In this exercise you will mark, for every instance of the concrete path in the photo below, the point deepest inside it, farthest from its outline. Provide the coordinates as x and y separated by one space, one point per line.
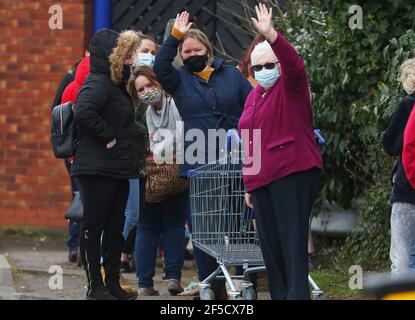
32 260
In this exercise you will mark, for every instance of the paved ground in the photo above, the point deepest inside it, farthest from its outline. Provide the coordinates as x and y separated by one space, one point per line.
31 259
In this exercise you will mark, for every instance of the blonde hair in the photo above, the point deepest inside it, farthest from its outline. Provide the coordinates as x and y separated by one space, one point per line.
407 75
127 43
201 37
261 49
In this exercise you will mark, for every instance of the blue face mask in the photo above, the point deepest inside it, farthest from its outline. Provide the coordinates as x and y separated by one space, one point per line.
145 59
267 78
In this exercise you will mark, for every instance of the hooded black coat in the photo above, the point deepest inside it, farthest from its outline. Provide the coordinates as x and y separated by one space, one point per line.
104 111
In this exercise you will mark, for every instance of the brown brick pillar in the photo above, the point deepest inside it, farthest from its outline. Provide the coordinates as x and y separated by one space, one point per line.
34 186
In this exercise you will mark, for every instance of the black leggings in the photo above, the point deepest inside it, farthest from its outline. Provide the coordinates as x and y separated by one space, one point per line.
104 201
129 243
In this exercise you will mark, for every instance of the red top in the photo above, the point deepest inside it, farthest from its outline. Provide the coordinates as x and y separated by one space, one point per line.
284 116
408 153
82 71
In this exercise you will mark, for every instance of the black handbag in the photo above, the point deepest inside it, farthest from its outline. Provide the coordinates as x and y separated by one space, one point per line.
75 212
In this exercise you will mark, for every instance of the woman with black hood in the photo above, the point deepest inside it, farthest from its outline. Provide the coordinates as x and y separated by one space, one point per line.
106 159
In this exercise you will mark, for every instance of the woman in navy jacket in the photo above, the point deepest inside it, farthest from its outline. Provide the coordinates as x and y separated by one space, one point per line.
208 95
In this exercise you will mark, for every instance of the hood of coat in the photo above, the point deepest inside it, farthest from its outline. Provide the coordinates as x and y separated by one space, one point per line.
102 44
127 43
82 71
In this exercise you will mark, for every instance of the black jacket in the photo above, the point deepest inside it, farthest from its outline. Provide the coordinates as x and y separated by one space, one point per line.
392 142
104 111
143 146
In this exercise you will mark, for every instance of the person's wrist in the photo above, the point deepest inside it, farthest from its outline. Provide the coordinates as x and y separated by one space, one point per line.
271 36
178 34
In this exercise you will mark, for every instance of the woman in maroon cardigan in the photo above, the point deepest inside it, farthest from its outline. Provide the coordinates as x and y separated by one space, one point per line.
283 189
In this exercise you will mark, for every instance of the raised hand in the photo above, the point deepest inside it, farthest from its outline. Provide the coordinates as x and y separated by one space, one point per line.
182 22
263 22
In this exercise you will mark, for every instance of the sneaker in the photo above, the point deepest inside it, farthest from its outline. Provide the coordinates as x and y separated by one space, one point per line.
100 293
174 287
121 294
125 267
73 256
146 292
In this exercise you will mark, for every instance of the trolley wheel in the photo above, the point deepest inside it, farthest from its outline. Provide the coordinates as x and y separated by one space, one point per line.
207 294
249 294
319 296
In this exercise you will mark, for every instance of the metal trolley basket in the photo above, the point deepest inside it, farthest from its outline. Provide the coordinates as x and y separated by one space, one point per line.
222 223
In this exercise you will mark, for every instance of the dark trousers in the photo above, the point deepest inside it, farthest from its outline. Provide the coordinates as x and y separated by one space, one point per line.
129 244
282 211
104 201
161 225
73 227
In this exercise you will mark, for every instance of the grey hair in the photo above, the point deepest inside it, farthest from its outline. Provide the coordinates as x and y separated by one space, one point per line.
261 49
407 75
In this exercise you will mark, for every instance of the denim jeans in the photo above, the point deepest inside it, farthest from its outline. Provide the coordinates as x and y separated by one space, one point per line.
412 258
402 237
73 242
132 209
161 225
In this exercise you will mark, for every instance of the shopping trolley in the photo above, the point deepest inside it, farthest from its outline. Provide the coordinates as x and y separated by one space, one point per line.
222 223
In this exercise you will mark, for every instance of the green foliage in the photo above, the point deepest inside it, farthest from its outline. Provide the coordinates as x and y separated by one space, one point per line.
353 76
368 244
336 285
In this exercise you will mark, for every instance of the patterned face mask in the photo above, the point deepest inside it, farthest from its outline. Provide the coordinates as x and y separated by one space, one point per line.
150 96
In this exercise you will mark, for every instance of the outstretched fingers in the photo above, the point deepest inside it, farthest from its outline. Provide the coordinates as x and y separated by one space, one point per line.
258 12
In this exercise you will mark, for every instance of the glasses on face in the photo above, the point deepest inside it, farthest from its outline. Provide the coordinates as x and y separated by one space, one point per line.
268 66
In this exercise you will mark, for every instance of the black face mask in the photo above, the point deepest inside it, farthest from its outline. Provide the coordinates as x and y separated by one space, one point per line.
126 73
196 63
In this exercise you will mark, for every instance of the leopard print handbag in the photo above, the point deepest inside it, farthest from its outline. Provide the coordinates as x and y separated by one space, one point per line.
163 181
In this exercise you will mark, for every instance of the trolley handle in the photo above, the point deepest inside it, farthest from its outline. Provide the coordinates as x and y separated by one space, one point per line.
319 137
232 134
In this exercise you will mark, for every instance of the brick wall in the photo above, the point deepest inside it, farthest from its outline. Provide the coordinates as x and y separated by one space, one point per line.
34 186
